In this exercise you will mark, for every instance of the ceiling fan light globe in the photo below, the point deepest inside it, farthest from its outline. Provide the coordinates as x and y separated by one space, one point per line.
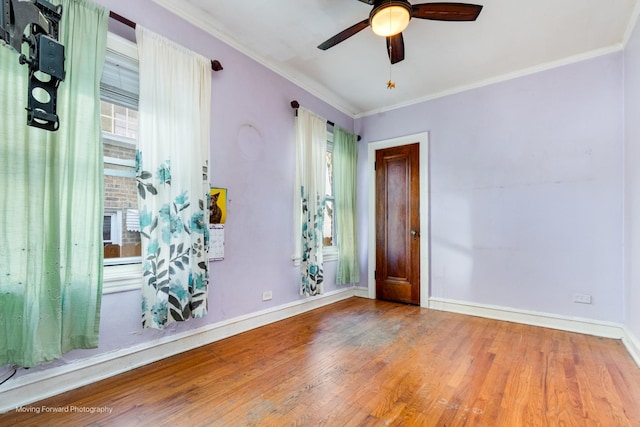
390 20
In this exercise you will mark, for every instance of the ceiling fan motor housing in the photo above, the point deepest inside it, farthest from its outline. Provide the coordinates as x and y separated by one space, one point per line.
388 18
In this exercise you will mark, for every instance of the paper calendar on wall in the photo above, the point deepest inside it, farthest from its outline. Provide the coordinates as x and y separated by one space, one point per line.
216 242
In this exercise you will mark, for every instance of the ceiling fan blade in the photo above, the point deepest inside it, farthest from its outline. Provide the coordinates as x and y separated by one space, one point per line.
446 11
395 48
343 35
367 1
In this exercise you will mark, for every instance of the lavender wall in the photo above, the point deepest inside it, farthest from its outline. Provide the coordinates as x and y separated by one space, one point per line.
632 183
252 146
526 197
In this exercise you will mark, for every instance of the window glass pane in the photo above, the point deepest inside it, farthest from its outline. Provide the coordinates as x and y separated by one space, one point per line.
105 109
119 120
107 125
106 228
328 224
119 112
132 128
329 181
120 195
120 127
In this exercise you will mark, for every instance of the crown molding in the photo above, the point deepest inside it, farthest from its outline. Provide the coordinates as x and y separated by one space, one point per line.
633 22
195 17
499 79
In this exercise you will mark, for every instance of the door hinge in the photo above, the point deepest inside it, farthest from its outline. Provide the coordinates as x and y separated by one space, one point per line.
375 166
375 275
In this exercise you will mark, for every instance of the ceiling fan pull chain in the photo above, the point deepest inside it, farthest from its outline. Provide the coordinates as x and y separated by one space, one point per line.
390 84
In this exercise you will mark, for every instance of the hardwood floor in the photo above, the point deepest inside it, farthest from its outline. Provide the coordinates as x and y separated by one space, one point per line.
368 363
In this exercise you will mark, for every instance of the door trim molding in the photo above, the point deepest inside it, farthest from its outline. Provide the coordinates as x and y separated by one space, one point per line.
423 140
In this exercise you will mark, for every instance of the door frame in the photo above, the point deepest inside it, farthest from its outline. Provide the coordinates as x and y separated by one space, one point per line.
425 233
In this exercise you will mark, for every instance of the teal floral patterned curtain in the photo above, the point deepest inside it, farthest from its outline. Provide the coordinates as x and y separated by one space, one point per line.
51 202
173 179
345 165
309 194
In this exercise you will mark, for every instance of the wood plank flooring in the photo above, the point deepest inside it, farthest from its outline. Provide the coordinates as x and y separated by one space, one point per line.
361 362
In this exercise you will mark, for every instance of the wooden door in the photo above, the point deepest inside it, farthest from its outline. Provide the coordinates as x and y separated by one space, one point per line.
398 224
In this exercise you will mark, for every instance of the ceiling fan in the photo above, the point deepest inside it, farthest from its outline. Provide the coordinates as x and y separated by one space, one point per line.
389 18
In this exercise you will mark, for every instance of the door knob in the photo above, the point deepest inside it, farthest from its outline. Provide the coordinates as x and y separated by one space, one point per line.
414 234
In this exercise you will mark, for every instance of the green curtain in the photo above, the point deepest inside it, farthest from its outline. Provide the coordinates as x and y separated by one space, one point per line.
345 161
51 196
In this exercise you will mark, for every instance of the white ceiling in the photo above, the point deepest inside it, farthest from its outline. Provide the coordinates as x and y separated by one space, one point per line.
509 38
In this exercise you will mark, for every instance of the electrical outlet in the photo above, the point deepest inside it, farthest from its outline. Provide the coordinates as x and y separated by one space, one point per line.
267 295
582 298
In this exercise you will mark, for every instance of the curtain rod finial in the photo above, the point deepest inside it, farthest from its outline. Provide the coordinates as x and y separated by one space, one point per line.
216 65
295 104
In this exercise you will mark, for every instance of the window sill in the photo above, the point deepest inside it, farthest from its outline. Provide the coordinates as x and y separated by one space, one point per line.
119 140
329 253
121 278
122 261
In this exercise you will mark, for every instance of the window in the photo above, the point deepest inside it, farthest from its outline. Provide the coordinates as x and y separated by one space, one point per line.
119 119
111 228
330 250
119 126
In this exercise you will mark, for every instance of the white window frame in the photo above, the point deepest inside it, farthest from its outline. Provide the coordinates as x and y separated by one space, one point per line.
127 275
330 253
115 217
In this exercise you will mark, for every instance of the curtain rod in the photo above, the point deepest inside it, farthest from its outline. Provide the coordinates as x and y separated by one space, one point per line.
295 105
215 64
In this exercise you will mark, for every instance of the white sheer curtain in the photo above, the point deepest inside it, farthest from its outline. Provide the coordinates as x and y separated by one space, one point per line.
308 199
173 179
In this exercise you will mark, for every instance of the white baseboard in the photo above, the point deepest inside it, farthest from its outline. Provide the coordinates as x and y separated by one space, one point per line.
40 385
565 323
633 345
361 291
547 320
